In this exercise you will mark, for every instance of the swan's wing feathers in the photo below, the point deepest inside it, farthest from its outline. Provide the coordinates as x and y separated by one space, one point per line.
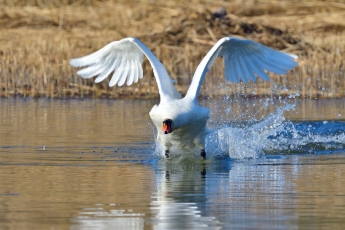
256 58
109 67
249 74
93 58
243 61
282 60
122 57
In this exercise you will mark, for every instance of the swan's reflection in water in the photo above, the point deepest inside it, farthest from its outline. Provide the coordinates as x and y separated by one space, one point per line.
167 215
180 193
177 202
100 218
171 215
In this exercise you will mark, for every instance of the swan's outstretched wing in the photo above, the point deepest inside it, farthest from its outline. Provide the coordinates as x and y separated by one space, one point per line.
124 58
243 59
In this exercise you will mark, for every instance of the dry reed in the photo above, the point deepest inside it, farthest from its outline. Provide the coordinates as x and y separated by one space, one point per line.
39 37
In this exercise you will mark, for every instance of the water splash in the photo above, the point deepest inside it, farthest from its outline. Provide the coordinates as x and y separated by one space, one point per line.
251 140
274 135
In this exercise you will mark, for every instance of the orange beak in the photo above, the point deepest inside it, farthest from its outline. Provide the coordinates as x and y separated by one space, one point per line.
166 128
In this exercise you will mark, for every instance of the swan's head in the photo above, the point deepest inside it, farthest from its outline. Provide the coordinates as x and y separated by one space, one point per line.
167 126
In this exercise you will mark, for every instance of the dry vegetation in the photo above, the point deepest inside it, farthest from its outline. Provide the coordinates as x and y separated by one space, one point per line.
39 37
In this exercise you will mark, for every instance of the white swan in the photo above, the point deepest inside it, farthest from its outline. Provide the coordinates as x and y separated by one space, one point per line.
181 122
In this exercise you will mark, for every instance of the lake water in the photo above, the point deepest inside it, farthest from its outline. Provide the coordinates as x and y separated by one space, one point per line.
94 164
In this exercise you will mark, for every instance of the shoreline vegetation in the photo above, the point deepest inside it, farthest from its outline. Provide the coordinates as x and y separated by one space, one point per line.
39 37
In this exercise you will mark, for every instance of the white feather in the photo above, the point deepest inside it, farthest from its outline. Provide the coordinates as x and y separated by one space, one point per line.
107 71
118 73
135 71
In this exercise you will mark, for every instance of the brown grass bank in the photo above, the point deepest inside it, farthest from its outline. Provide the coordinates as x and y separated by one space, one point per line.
37 39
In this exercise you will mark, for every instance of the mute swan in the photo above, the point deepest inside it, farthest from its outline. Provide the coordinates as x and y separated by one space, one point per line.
181 122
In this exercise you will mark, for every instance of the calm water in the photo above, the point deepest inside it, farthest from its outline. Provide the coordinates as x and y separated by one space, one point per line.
94 164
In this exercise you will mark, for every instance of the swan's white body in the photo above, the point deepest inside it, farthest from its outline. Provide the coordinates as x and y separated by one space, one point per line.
242 60
189 123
